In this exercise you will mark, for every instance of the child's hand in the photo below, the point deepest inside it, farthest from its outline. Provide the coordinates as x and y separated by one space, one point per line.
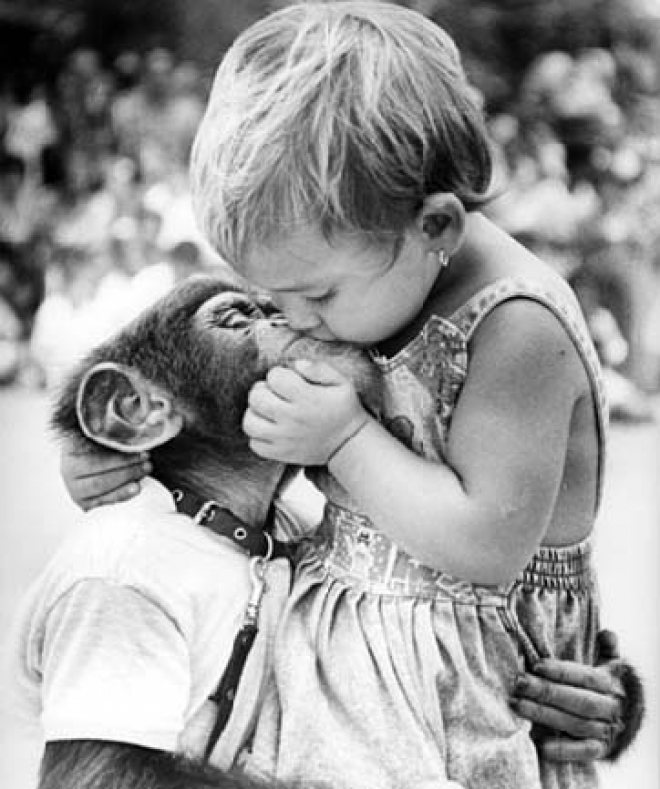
99 476
303 416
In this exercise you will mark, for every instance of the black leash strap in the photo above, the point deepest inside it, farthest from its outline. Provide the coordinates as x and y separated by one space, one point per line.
261 547
225 693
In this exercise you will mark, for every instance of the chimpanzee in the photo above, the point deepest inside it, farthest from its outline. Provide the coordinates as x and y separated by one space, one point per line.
131 627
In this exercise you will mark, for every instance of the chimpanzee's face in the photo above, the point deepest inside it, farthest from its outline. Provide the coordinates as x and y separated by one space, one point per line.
242 318
202 346
239 323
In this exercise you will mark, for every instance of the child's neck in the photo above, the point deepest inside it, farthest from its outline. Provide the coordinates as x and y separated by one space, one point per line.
452 288
486 255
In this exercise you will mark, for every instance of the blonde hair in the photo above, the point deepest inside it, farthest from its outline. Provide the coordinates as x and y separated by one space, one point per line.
344 115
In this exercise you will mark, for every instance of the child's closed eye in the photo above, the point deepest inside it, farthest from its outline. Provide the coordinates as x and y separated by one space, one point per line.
322 298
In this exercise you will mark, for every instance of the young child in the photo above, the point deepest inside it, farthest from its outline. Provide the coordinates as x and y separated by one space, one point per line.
342 166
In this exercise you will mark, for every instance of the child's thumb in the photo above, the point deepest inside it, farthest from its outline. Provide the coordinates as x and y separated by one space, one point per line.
317 372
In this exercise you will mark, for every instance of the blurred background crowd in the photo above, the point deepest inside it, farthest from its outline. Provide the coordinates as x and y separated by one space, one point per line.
99 102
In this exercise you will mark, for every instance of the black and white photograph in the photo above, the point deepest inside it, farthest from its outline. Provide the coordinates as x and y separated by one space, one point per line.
330 394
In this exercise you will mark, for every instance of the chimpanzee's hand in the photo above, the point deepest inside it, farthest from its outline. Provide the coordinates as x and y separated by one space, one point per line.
94 475
302 416
583 713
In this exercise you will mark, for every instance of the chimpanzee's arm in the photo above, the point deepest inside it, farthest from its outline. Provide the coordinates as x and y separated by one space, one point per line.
97 764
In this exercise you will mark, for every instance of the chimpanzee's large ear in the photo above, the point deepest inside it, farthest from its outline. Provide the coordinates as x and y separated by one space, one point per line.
118 408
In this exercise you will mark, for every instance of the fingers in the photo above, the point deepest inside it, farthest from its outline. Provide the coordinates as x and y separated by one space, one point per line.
105 478
285 383
122 493
117 473
269 402
319 372
266 404
79 463
565 749
284 386
607 647
578 675
261 421
578 701
562 721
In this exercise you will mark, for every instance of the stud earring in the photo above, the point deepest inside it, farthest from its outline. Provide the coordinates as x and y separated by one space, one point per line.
443 258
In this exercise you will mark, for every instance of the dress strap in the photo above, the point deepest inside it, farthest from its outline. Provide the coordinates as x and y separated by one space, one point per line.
561 301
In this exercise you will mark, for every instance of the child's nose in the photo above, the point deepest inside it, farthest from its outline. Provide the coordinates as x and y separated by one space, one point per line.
299 315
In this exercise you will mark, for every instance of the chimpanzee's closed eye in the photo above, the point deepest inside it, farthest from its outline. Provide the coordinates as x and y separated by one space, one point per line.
230 310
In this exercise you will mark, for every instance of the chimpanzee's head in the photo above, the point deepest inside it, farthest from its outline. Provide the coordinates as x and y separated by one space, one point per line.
175 380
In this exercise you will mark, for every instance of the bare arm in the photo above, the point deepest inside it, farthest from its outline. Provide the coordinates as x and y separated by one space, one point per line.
481 515
97 764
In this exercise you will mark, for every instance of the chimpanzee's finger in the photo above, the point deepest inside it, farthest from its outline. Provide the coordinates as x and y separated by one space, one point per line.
575 700
607 647
130 470
564 722
122 493
579 675
88 487
566 749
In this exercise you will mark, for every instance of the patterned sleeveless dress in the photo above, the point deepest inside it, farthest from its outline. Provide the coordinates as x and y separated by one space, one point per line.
387 674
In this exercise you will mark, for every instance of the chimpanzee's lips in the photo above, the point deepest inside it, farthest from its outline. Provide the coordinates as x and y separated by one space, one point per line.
282 344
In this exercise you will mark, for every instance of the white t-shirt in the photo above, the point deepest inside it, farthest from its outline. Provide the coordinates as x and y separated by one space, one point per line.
127 632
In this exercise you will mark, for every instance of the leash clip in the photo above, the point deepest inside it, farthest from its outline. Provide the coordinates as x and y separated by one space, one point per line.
257 577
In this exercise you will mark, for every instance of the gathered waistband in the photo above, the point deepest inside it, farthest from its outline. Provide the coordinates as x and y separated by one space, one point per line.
565 567
363 557
358 554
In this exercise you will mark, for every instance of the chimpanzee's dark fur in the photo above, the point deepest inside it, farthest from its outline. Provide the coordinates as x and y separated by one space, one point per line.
166 346
634 710
96 764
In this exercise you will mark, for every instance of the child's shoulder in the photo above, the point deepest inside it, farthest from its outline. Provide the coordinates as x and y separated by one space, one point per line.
536 291
526 342
500 275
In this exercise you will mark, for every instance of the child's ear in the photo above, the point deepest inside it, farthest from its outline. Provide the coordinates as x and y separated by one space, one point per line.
120 409
442 222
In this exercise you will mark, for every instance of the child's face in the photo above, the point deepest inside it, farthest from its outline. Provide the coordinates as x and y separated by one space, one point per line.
344 289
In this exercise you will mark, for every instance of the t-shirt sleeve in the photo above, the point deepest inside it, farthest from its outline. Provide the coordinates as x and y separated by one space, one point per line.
114 666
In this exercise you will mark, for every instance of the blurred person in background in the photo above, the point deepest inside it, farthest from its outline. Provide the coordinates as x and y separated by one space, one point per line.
154 122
